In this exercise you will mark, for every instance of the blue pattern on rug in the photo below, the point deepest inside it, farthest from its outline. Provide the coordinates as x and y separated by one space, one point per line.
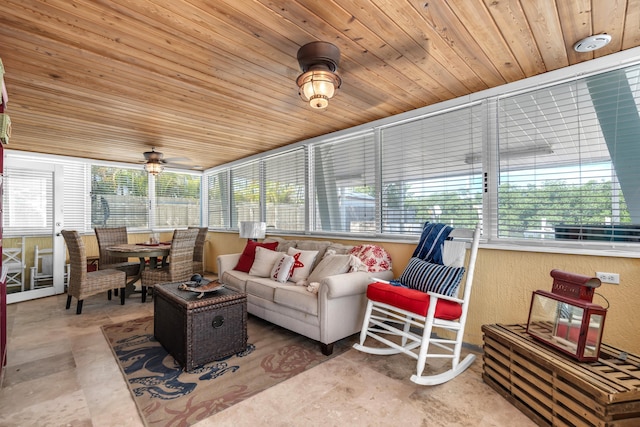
144 353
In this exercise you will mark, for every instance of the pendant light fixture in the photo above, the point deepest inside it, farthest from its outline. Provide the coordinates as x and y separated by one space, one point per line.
318 82
153 167
153 162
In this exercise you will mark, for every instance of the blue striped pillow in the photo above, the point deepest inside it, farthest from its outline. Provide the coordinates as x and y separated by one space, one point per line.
428 277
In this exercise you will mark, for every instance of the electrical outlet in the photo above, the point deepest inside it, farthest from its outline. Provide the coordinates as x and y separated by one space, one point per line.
613 278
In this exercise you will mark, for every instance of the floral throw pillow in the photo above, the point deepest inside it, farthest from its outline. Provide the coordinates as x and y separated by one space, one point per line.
374 257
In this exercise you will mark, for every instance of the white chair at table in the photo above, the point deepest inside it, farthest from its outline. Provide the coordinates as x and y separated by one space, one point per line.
42 270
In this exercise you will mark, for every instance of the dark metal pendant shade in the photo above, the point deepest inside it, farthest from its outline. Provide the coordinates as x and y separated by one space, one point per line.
322 54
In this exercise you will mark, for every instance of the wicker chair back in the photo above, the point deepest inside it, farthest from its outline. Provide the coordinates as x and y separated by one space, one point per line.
82 283
111 236
180 267
198 250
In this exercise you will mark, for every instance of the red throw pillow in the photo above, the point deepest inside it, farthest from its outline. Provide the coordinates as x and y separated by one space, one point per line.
248 255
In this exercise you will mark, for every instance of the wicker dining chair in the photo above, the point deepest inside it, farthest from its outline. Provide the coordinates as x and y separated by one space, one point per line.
111 236
83 283
180 266
198 250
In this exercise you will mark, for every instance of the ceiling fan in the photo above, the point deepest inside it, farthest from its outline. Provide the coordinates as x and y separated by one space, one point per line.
154 162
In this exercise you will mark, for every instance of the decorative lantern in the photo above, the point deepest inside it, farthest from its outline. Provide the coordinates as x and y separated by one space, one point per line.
566 319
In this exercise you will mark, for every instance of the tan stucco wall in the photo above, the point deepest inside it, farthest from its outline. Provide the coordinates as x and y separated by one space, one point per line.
505 280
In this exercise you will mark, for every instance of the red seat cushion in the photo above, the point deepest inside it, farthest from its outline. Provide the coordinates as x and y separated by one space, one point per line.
412 300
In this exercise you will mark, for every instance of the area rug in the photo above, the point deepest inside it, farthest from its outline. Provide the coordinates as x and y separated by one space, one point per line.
168 396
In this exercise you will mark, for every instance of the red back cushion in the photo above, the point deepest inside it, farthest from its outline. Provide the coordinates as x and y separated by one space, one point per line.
248 255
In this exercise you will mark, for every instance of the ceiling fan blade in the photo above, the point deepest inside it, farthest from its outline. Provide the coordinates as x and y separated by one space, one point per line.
177 159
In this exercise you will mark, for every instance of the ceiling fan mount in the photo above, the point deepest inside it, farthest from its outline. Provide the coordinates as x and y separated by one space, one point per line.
154 156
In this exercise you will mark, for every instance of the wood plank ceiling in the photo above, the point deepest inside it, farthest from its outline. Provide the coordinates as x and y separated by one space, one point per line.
214 81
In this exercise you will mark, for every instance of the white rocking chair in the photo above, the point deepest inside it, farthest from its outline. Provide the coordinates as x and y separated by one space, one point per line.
397 312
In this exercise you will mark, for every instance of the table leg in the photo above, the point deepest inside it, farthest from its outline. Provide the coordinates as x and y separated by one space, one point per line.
131 287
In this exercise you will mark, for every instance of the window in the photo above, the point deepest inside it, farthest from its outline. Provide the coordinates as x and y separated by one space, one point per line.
246 193
218 197
432 171
28 202
345 185
285 186
568 160
119 197
177 200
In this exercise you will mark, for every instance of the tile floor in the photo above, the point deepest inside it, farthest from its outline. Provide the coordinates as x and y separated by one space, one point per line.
61 372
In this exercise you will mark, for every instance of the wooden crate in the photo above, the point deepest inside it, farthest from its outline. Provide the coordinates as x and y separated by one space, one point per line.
553 389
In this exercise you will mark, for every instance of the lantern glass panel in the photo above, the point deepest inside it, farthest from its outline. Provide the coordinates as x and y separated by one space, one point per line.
568 327
592 348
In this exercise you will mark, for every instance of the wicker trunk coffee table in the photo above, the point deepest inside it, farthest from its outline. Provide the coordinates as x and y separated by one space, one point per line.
196 330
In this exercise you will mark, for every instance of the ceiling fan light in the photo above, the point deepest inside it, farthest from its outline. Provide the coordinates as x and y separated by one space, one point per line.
153 167
319 102
318 82
317 87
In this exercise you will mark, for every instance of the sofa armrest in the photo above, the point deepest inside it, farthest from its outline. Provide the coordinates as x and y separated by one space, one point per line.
341 285
227 262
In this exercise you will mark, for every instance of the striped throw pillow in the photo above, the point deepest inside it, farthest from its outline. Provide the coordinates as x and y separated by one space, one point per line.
428 277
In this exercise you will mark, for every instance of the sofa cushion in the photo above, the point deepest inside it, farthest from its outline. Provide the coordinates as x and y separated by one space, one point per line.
330 265
282 268
283 244
249 253
262 287
314 245
264 262
375 257
298 298
337 249
236 280
302 264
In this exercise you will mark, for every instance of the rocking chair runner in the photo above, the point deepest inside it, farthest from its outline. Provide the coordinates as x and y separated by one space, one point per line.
392 311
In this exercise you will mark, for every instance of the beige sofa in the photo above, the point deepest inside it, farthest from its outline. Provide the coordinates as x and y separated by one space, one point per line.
334 312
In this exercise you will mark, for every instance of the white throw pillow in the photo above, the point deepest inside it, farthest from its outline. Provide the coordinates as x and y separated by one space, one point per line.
330 265
303 262
263 262
282 268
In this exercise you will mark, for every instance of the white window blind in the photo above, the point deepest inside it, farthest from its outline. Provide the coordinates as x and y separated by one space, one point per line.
245 193
28 202
568 160
77 209
218 197
177 201
284 188
119 197
432 171
345 185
